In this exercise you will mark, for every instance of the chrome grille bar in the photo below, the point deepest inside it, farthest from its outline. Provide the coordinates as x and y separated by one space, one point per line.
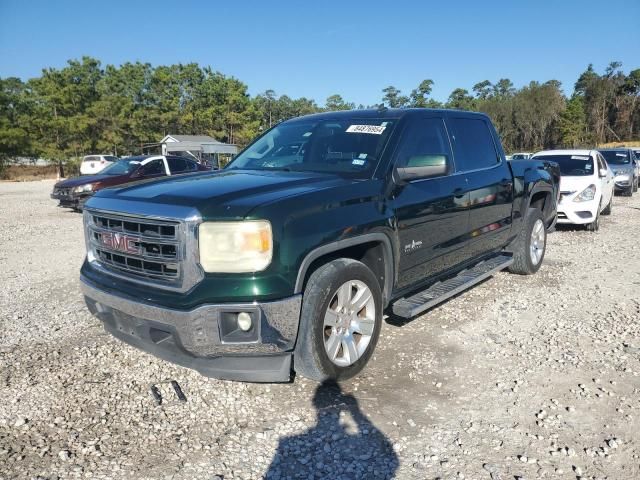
137 248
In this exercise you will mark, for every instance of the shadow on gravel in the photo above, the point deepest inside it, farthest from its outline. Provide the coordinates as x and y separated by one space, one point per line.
342 444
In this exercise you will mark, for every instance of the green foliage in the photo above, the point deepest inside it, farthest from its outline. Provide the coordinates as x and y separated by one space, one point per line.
84 108
573 124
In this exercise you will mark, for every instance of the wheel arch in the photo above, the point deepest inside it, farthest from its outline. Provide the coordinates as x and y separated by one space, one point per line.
541 198
372 249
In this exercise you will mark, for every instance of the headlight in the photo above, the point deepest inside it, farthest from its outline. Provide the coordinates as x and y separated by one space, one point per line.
624 176
84 188
587 194
235 247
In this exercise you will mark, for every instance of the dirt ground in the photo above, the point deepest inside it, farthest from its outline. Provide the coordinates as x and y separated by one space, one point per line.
520 377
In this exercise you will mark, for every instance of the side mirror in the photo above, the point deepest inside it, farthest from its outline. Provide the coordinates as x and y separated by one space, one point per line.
423 166
603 172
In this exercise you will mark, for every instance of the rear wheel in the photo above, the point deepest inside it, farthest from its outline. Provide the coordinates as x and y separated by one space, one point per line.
340 321
530 246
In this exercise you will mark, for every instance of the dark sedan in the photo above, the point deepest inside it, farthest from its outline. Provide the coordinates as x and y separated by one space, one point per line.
74 192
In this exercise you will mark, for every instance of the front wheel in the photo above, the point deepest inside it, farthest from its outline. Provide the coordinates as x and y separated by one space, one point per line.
635 184
340 321
609 207
595 225
530 246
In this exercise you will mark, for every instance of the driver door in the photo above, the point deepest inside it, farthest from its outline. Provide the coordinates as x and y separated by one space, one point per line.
432 214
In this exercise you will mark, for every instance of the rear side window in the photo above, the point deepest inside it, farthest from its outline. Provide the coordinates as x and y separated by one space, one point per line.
91 158
154 167
473 145
176 164
424 143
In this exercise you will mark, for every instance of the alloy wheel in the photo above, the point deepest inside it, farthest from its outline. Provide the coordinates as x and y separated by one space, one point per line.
349 322
537 243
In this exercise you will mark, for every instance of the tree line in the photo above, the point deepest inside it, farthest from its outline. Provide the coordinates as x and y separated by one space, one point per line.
84 108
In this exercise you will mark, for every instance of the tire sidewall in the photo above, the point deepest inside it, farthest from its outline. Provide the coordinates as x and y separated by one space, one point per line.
533 215
315 305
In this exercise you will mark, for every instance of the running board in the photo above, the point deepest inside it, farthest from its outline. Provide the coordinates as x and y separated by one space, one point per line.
438 292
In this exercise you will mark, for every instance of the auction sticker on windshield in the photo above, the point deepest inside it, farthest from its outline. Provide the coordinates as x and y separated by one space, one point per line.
371 129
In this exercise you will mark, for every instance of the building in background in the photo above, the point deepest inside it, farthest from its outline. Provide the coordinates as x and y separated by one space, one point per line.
203 148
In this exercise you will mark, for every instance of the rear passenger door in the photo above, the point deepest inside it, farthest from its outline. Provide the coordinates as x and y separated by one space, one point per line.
431 213
489 183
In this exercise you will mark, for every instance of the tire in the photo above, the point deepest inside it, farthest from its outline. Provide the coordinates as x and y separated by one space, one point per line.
595 225
321 304
635 184
629 191
523 262
608 208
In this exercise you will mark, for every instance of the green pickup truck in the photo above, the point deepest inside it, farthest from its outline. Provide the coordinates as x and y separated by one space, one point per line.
286 260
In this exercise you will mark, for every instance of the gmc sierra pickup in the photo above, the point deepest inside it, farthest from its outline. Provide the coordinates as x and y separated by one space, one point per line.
286 259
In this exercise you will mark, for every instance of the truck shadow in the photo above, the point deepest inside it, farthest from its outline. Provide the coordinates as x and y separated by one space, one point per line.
343 443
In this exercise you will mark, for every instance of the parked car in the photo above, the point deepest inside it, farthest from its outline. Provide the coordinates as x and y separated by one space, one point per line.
586 186
92 164
287 257
521 156
625 169
74 192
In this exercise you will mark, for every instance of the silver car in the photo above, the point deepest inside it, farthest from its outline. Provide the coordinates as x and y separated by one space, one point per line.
624 164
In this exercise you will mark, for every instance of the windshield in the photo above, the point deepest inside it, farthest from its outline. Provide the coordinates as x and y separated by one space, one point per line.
614 157
121 167
351 147
571 165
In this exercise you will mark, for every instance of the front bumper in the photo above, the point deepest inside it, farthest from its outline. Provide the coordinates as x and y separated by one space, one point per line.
580 213
625 184
71 201
200 338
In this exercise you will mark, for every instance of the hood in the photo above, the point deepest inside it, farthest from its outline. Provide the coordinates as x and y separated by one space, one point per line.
83 180
221 194
622 169
576 184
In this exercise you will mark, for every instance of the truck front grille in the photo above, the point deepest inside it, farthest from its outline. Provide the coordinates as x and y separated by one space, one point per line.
146 250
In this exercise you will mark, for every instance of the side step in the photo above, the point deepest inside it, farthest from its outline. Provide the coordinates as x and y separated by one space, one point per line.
440 291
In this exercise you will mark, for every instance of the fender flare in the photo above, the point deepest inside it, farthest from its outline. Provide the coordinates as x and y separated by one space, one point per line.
375 237
547 189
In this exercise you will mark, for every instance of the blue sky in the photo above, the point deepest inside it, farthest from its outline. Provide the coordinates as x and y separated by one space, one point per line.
317 48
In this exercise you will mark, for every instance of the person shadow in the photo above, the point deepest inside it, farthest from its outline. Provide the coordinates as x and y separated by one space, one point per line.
343 444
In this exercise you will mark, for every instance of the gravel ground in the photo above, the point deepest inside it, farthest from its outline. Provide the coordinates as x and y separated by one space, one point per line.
521 377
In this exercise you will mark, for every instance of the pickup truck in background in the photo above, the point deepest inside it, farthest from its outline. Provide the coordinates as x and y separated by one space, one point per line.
285 260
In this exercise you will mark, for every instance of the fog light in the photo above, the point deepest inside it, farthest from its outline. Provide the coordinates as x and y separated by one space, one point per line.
244 321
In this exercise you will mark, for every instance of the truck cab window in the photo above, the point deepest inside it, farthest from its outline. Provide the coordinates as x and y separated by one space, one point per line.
473 144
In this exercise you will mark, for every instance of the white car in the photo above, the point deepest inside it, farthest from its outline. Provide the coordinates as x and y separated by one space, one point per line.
586 186
521 156
92 164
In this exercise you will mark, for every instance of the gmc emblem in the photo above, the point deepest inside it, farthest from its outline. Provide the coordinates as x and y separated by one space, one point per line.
120 242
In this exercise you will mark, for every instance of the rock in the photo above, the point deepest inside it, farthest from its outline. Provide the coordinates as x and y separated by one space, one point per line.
64 454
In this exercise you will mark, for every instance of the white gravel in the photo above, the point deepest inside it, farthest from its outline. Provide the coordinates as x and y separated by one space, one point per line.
521 377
